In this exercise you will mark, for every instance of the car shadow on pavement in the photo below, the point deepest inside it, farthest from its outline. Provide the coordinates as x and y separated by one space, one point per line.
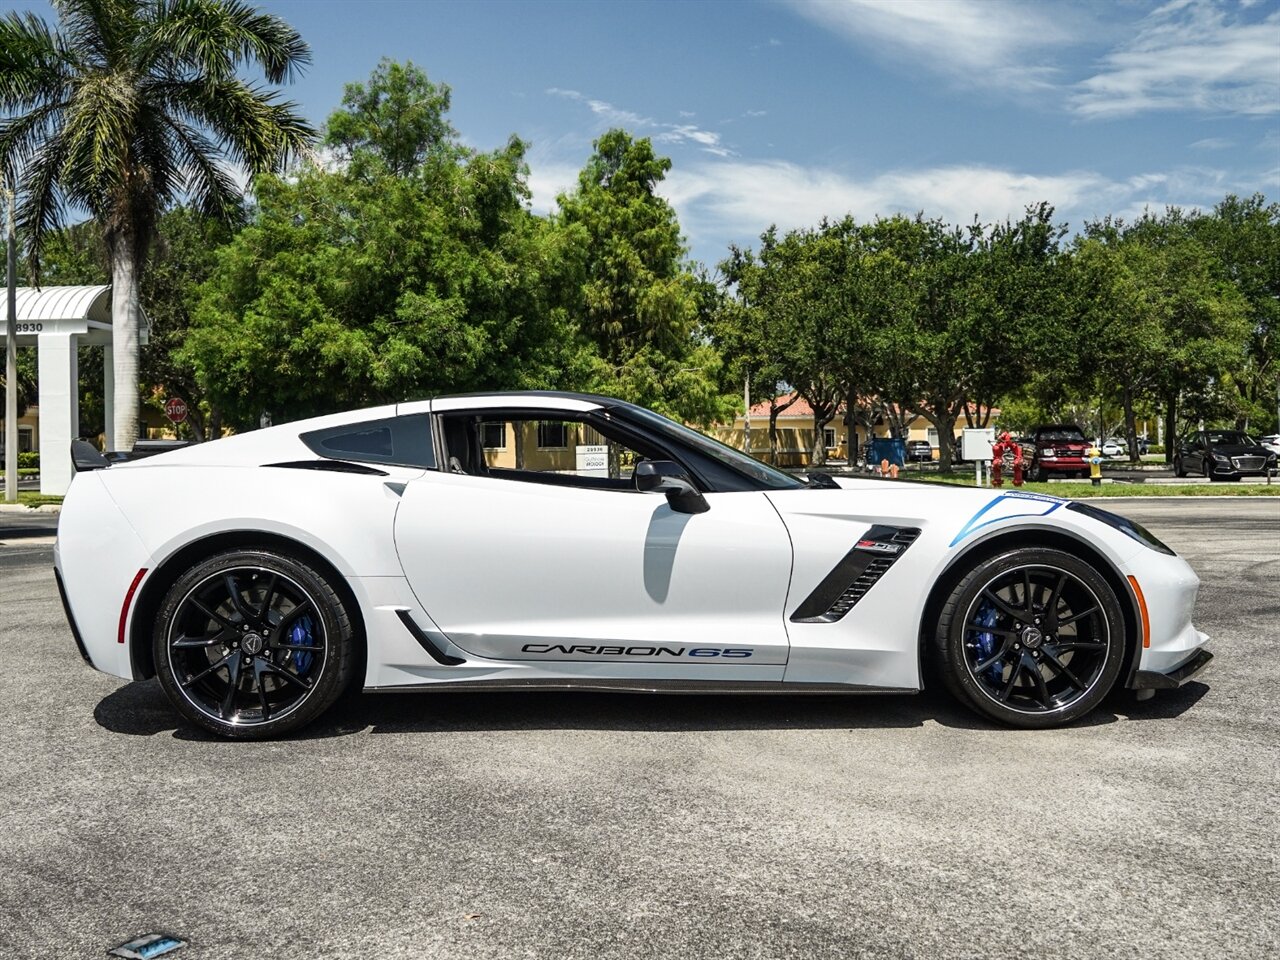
141 709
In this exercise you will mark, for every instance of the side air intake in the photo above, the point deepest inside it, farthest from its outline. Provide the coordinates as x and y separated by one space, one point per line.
857 572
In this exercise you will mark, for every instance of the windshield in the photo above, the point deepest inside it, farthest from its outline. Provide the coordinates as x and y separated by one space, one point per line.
734 459
1061 435
1230 437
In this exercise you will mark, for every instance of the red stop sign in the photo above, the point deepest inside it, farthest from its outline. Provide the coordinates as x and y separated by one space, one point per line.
175 408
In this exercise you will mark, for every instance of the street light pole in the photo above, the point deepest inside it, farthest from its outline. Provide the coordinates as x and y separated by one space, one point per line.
11 369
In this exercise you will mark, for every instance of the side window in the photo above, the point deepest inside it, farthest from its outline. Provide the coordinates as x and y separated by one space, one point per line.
397 440
561 452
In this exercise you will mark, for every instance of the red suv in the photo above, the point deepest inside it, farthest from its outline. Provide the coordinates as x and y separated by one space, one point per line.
1060 450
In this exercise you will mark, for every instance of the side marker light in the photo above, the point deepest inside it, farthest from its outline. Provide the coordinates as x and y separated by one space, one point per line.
1142 611
128 602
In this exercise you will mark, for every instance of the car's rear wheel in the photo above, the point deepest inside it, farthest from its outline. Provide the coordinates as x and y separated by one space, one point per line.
1178 469
252 644
1032 637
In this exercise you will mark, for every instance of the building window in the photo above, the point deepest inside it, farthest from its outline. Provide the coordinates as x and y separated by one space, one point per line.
26 440
493 436
552 435
829 437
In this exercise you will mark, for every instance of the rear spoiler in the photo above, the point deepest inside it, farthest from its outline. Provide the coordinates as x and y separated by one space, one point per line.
85 457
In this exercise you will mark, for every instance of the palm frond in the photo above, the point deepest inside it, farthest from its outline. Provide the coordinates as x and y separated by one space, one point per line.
215 37
99 133
33 68
99 30
252 125
207 181
42 204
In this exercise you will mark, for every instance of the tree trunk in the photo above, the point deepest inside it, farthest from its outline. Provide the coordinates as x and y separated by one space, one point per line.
776 408
818 457
1130 425
125 321
898 418
1170 426
517 429
946 427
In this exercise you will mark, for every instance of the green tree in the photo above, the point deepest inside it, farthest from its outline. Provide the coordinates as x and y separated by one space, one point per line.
394 123
643 309
750 334
182 258
1158 321
126 107
363 285
1244 236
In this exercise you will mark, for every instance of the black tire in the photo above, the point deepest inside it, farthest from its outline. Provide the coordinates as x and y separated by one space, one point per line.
1004 653
1038 475
252 644
1178 469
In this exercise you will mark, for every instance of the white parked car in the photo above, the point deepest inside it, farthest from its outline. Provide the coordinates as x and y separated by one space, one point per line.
1271 442
406 547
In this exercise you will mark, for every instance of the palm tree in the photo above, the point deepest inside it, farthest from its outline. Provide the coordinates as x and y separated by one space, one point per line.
128 106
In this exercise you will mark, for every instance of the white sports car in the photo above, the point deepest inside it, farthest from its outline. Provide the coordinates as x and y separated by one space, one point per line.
553 540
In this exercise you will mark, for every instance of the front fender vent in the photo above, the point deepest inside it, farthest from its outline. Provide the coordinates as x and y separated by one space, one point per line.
857 572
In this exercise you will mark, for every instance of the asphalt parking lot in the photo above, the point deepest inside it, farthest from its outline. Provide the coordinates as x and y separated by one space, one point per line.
585 826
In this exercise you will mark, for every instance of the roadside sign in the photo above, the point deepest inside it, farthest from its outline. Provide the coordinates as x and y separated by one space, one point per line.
975 444
592 460
175 408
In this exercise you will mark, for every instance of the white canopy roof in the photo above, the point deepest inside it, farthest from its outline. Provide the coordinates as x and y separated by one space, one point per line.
85 311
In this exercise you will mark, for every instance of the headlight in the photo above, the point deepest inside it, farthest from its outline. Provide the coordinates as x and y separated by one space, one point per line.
1220 458
1126 526
1046 452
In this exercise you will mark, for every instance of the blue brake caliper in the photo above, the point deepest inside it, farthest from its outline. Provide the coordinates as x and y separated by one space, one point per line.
986 617
300 636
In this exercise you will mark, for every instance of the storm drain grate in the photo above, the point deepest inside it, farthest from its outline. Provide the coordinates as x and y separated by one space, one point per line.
147 946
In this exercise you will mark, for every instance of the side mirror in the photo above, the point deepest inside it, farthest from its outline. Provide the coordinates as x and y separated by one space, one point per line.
664 476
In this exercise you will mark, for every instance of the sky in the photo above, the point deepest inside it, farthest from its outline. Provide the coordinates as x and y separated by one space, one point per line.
785 111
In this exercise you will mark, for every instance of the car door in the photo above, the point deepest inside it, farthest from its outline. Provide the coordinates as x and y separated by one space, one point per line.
572 566
1199 454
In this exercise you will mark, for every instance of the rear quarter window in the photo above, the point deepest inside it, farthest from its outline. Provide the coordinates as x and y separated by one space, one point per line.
405 441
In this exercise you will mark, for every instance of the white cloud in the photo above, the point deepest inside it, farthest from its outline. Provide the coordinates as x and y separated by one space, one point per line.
981 42
547 180
1189 55
605 111
745 198
1213 143
734 201
706 140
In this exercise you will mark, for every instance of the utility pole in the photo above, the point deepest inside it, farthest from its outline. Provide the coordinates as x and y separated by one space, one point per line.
11 369
746 417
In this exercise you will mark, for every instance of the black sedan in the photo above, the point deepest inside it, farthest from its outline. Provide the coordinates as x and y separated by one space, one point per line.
1222 455
919 450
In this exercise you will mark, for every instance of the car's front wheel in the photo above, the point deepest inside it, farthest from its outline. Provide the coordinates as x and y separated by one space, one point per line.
1031 637
252 644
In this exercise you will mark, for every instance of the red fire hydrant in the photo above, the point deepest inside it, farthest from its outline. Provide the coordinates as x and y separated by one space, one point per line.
1006 448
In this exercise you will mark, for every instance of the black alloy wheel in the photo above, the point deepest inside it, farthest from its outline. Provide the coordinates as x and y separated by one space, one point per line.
1032 638
252 644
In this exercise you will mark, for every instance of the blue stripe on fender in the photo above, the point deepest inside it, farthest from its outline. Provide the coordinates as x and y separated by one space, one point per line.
974 525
